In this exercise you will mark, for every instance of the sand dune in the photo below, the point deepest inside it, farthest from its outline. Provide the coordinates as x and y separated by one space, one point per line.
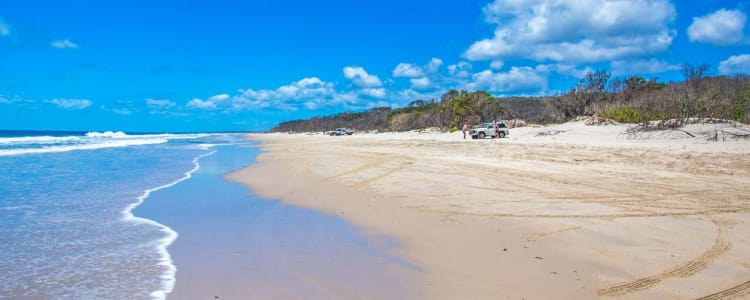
567 211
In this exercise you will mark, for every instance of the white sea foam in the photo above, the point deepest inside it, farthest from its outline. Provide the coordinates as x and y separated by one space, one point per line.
106 134
205 146
93 140
83 146
38 139
168 277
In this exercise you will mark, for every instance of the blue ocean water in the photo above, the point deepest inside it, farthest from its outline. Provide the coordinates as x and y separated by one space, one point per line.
109 215
66 227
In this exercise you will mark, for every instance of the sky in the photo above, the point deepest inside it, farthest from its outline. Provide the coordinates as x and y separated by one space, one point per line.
186 66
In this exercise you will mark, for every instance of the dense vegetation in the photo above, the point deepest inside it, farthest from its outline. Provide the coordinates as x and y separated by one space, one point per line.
628 100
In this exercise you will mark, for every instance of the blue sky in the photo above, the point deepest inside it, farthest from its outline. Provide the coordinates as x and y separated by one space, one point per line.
247 65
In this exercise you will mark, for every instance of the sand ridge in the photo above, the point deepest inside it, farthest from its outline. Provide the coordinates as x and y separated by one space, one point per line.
580 214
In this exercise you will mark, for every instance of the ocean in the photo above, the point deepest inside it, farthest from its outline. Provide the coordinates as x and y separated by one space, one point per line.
110 215
66 227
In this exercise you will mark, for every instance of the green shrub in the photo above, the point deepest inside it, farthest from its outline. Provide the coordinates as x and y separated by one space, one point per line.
738 108
660 116
453 129
623 115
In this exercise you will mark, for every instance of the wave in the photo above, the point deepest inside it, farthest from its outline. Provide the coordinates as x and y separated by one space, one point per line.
38 139
107 134
92 140
168 277
82 146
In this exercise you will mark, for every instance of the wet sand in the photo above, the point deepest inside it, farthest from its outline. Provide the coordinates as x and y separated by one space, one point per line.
233 244
572 211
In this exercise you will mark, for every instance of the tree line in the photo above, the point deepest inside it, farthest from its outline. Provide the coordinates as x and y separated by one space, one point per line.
631 99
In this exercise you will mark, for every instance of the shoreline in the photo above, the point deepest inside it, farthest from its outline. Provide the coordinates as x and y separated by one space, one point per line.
233 244
584 218
168 277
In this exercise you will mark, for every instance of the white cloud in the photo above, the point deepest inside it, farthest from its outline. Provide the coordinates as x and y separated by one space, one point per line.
434 65
159 103
308 93
723 27
407 70
4 28
64 44
461 69
209 104
497 64
289 97
516 79
575 31
377 93
70 103
414 71
200 104
642 66
219 97
359 77
737 64
572 70
421 83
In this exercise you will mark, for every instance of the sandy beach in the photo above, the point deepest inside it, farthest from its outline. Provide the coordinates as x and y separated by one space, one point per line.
558 212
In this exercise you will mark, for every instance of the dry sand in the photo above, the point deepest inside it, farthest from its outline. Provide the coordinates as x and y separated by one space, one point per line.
563 212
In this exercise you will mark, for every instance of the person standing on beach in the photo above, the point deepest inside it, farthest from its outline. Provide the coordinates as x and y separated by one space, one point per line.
465 129
497 130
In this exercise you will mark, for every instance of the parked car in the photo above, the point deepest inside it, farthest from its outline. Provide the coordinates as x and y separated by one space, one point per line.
488 129
340 131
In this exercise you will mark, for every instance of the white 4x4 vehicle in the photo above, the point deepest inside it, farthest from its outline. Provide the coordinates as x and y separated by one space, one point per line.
340 131
488 129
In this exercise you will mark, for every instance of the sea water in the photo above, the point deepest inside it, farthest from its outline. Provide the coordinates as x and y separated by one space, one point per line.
235 245
101 215
66 227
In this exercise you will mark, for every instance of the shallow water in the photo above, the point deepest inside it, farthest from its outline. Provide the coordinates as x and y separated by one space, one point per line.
233 244
67 232
64 230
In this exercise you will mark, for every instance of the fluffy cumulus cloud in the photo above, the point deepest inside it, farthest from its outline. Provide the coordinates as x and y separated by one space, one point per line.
415 71
434 65
572 70
72 104
64 44
360 77
460 70
642 66
723 27
209 104
4 28
575 31
408 70
497 64
516 79
309 92
737 64
422 83
375 93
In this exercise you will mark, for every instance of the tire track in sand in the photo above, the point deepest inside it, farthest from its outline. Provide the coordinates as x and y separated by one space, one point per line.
730 293
400 166
686 269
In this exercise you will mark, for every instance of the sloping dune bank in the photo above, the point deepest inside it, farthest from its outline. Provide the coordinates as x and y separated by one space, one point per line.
563 212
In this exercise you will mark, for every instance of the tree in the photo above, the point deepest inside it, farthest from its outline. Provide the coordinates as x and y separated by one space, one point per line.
693 74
